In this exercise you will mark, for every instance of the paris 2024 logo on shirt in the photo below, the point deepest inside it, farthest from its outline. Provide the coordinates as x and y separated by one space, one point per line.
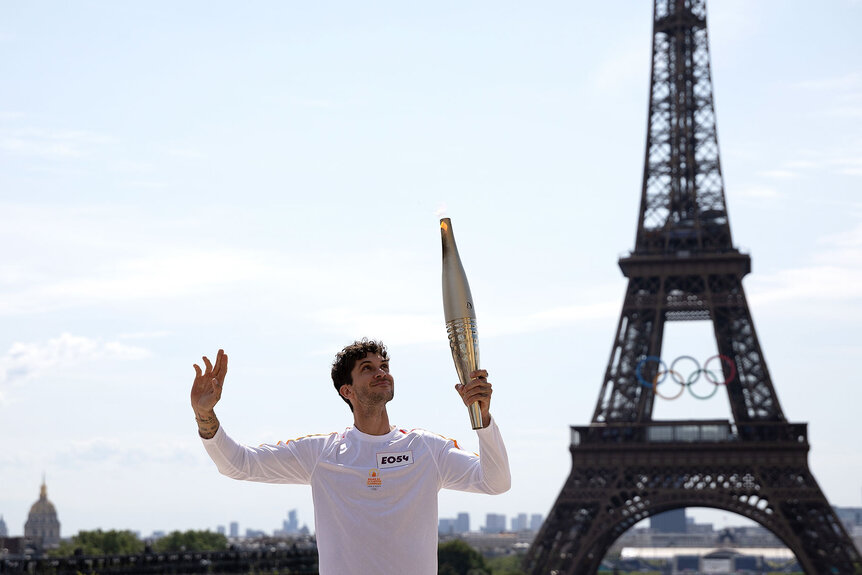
373 482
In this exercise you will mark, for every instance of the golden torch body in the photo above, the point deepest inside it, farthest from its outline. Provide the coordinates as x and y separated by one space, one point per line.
460 316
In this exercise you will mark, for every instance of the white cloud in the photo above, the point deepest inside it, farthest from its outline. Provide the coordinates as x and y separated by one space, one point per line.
779 174
851 238
50 143
30 147
393 327
823 283
147 184
833 278
145 335
848 111
757 191
732 24
842 248
850 166
419 328
160 275
624 68
842 83
500 323
75 257
101 450
845 160
26 361
320 103
803 164
844 94
186 153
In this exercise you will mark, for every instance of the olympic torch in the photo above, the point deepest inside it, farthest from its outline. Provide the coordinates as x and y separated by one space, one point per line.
460 316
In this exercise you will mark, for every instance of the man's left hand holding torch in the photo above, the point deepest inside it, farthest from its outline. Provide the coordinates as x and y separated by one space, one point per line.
479 389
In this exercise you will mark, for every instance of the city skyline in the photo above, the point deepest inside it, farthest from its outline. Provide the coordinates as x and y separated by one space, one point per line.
182 178
290 525
676 521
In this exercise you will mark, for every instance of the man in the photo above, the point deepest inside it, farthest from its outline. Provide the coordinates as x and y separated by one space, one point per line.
374 486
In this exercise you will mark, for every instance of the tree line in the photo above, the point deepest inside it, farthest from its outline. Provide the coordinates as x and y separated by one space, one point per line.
454 557
114 542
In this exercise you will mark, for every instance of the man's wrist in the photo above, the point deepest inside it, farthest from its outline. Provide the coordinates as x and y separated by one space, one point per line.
208 424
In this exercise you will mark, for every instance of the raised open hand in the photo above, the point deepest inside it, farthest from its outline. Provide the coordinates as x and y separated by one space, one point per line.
206 389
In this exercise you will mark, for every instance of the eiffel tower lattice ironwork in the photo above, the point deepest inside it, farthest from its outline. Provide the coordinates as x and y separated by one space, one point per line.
627 466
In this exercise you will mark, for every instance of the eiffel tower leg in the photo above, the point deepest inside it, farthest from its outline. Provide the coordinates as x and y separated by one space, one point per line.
639 334
752 396
562 545
613 485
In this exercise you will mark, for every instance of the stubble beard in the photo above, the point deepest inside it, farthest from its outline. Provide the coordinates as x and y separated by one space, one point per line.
378 397
383 396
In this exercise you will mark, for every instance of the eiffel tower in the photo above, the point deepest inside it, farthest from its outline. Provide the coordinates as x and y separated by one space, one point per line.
625 465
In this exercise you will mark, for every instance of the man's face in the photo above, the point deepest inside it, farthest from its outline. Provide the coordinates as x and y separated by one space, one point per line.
372 383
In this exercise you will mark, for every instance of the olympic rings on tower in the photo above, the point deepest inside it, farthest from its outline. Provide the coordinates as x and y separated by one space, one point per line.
662 371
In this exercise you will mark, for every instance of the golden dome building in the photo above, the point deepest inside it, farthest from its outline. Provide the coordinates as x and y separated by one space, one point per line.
42 523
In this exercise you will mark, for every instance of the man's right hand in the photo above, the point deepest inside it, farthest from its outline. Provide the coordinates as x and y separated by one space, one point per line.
206 392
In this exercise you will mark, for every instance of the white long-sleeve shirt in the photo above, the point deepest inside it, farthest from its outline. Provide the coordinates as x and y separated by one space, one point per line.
375 496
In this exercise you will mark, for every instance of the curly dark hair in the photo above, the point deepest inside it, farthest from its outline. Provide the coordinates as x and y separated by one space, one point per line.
347 358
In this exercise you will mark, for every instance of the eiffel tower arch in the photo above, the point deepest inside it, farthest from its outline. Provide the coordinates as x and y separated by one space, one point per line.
627 466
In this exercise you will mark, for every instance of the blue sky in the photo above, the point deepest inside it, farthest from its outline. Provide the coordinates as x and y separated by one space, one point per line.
268 178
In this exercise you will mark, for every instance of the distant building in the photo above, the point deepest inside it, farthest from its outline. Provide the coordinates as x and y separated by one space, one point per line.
672 521
221 530
234 529
457 526
446 526
17 546
462 523
3 531
42 524
849 516
700 536
519 522
535 522
291 525
495 523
